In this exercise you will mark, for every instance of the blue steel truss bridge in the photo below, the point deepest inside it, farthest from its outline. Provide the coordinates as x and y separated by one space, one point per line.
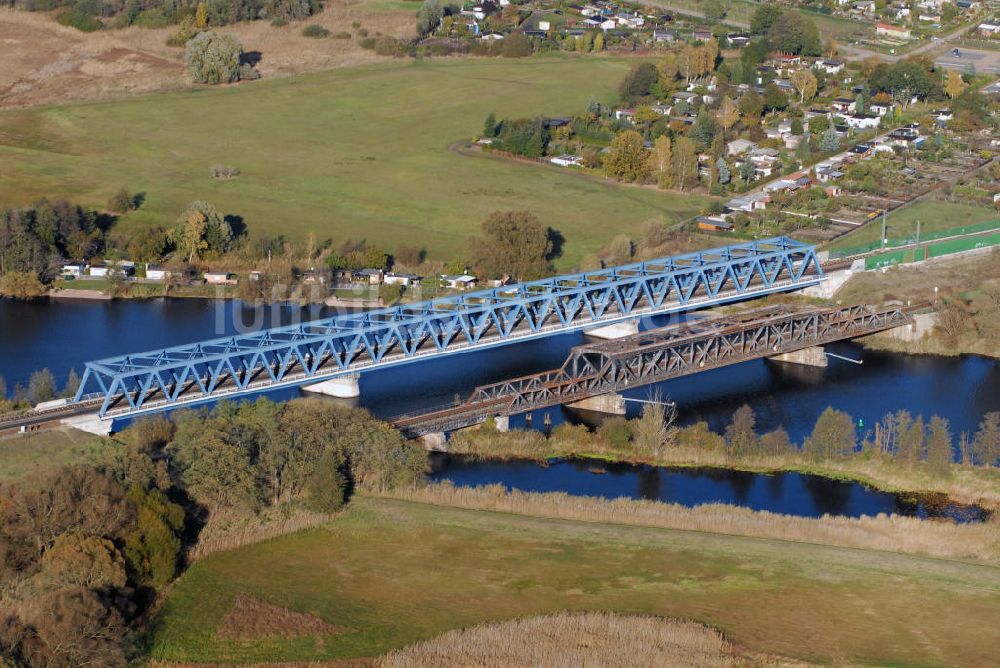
348 344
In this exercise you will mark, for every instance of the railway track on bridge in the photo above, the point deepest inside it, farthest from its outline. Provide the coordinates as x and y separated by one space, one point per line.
657 355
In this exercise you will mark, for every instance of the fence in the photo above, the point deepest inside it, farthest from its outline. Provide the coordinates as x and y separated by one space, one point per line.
931 250
906 241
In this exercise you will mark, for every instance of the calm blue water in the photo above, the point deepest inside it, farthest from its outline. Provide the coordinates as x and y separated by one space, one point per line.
786 493
63 335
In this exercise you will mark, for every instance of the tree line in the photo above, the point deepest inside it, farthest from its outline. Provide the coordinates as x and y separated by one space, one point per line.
36 239
899 436
89 15
85 550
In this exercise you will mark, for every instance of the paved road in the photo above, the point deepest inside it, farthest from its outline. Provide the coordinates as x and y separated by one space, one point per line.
855 52
984 61
850 51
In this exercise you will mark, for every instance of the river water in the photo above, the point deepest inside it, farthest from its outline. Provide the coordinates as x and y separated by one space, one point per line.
786 493
63 335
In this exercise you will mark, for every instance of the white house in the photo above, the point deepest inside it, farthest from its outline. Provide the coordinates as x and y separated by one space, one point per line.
629 20
749 202
155 272
889 30
862 122
99 269
369 276
881 108
844 105
624 114
739 147
406 280
566 160
988 29
459 282
829 66
219 278
74 269
760 156
828 173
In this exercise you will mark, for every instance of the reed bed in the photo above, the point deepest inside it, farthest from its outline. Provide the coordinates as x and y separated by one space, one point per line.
571 640
227 532
891 533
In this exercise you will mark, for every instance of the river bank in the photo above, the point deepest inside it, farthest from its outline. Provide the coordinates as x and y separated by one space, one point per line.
974 486
975 541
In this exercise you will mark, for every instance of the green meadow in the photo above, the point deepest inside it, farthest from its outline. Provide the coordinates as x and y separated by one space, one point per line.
353 153
388 573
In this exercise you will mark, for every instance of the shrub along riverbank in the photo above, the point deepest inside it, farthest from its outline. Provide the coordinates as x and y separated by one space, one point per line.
903 454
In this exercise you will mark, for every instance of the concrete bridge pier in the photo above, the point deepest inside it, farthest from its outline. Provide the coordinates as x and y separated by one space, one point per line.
611 403
435 442
813 356
618 330
343 387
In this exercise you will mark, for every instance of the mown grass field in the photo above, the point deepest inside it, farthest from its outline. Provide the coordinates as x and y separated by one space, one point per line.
933 215
356 152
389 573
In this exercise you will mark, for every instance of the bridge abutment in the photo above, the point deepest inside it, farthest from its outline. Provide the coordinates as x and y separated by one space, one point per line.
813 356
921 325
612 404
90 424
343 387
618 330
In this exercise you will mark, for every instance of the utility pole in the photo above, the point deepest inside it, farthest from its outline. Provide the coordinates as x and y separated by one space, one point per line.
883 228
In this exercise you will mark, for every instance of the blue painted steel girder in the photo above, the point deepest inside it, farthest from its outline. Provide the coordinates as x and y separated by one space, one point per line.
328 347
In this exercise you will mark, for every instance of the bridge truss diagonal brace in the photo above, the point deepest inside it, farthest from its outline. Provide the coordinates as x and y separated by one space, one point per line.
321 349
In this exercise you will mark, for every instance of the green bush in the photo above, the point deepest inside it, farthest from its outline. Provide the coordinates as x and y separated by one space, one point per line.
248 73
213 59
77 19
315 31
517 45
152 18
616 432
390 46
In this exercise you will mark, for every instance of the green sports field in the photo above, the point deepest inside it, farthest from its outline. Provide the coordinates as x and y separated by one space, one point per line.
349 153
935 219
388 573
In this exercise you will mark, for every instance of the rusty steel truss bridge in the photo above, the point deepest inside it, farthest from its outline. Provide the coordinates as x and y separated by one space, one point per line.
649 357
